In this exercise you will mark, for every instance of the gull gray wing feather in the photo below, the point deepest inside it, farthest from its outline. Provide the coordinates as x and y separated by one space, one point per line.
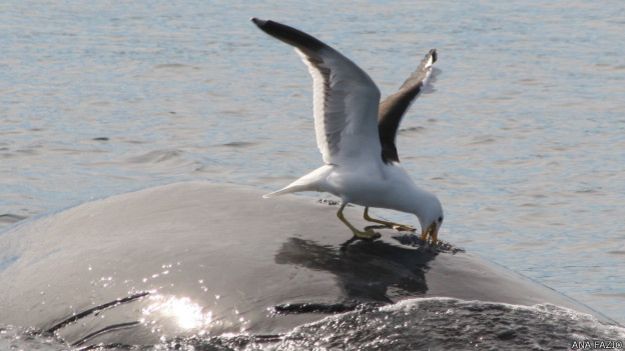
345 99
393 107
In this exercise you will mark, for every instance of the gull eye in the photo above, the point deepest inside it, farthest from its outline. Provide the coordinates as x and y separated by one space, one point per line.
440 219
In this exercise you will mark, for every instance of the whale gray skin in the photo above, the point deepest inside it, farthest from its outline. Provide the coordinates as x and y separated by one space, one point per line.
189 258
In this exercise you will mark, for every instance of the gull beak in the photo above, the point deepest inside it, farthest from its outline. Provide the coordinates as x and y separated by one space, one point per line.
430 232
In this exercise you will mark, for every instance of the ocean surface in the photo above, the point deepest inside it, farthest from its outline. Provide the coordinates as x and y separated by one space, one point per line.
522 135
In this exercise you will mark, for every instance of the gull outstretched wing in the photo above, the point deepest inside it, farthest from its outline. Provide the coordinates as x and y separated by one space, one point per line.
393 107
345 99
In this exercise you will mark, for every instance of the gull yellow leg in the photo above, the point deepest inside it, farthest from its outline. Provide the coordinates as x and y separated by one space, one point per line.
367 234
396 226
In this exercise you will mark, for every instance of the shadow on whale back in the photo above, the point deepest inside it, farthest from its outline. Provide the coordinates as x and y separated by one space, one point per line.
200 260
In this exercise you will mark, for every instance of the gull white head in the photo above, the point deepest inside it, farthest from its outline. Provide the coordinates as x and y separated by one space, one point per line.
430 214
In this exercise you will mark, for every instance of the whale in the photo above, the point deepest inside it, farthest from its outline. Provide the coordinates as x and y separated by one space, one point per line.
204 259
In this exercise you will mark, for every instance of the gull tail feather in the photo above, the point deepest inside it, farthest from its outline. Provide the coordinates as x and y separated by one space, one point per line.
313 181
287 190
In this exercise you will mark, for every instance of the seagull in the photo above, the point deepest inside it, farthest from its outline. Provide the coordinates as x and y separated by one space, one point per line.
356 137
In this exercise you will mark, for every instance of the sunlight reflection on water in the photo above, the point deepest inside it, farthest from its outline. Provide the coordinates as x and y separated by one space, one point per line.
187 314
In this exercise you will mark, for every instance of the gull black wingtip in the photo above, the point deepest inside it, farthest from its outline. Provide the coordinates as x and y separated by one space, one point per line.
289 35
258 22
434 55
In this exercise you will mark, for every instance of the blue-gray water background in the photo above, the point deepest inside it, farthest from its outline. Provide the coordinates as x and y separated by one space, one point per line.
523 138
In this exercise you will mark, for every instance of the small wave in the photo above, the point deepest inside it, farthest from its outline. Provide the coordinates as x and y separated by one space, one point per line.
436 323
616 252
482 140
239 144
409 130
9 218
156 156
175 66
446 323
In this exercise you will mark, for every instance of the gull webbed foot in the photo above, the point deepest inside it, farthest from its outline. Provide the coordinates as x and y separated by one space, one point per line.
367 234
